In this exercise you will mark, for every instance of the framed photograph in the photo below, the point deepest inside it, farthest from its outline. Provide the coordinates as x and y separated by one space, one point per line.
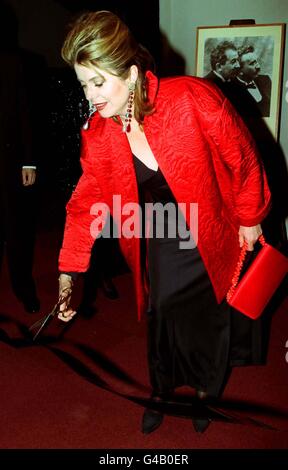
245 61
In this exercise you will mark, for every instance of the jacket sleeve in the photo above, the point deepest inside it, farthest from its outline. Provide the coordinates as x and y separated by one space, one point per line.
78 238
238 166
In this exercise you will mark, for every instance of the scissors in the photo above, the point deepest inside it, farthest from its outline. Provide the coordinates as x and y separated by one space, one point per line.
44 321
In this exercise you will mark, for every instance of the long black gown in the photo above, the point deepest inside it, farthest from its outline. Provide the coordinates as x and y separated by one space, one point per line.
192 340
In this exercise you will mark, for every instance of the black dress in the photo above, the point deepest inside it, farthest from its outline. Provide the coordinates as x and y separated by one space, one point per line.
189 333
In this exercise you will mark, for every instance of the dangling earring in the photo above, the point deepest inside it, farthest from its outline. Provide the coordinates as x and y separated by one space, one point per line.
128 116
92 109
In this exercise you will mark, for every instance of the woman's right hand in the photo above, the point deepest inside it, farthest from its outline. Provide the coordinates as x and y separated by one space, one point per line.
66 313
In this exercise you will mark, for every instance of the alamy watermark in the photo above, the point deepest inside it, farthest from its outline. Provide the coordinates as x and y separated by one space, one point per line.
154 220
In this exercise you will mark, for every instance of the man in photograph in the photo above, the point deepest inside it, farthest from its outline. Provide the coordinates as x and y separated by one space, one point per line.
250 79
224 62
225 66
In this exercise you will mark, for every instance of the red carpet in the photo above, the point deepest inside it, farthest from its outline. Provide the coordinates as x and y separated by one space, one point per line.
47 403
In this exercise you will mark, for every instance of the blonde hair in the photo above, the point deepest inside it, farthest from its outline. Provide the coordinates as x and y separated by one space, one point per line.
102 39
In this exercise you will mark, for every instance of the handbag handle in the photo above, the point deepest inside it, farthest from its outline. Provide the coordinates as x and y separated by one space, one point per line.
239 266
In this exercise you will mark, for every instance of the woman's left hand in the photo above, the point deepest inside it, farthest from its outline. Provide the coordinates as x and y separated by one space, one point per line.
249 235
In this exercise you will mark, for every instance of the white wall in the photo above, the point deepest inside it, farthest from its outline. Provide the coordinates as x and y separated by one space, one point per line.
179 20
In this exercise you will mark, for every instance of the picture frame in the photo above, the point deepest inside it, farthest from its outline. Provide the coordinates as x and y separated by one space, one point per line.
259 73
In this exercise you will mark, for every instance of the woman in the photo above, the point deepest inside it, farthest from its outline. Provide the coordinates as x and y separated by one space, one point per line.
173 141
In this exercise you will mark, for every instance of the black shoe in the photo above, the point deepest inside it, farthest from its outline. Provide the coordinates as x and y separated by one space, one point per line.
31 304
151 421
200 424
109 289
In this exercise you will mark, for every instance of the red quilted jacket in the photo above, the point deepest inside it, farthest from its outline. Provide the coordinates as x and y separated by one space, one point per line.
207 157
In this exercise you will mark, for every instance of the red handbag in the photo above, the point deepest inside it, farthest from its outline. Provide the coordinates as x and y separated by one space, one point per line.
259 282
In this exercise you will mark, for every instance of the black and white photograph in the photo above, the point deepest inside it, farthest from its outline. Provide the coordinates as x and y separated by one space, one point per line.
246 63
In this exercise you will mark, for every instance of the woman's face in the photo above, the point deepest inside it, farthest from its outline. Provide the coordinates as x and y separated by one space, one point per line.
109 94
